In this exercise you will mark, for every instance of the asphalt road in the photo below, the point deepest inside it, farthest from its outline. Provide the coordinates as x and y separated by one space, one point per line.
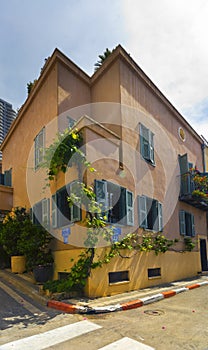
180 322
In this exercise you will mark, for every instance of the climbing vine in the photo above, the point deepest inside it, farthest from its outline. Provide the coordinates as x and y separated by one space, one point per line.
63 153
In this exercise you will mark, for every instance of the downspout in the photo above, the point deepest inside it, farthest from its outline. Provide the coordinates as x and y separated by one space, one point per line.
203 156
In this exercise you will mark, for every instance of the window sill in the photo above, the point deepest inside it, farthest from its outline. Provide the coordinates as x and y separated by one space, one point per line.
118 283
149 161
154 278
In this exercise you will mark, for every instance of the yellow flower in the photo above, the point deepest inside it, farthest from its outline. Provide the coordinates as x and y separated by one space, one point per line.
74 136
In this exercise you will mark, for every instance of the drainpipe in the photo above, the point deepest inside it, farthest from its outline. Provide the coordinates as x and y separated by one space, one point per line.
203 146
203 156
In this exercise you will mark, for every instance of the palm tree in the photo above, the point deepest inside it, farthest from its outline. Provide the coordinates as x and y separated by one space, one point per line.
102 58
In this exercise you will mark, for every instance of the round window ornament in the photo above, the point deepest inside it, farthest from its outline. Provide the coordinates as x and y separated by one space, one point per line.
182 134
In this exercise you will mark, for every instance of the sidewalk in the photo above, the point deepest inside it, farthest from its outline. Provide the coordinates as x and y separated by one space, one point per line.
124 301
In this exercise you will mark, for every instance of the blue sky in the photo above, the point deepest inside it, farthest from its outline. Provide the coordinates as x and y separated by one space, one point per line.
166 38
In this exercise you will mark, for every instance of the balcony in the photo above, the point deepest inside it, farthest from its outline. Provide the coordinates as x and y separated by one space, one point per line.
194 189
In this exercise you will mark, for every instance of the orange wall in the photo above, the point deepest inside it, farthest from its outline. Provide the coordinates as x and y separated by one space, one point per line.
41 108
6 200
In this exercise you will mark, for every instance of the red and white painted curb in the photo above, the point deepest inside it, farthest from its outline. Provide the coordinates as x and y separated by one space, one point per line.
76 309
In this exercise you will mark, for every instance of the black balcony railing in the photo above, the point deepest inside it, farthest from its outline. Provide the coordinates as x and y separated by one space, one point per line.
194 189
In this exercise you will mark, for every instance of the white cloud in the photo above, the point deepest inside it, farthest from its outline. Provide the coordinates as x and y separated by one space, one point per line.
168 40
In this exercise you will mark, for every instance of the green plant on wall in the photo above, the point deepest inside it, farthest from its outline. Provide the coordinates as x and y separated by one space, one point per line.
63 153
189 244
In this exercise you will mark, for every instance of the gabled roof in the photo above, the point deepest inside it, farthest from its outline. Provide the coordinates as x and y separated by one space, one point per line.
118 53
57 56
87 122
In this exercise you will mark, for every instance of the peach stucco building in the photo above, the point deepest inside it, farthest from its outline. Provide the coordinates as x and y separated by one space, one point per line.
142 149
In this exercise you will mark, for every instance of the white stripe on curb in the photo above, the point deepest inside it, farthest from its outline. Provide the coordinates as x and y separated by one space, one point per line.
109 308
152 298
180 290
203 283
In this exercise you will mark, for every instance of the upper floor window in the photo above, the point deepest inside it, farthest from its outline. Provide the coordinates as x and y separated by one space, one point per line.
147 144
186 223
41 213
39 147
150 213
62 213
117 202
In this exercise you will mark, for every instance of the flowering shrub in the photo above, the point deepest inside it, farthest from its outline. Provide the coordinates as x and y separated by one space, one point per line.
200 184
11 229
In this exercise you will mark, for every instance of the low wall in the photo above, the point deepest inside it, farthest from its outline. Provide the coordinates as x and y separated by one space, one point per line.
172 266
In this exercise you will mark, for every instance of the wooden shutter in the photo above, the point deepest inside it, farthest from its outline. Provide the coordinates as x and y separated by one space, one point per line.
8 177
151 147
46 212
101 194
54 211
182 222
75 210
37 213
144 142
192 225
129 208
160 217
63 210
142 209
185 176
39 147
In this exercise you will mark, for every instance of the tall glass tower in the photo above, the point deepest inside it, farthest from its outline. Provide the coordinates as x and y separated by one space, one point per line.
7 115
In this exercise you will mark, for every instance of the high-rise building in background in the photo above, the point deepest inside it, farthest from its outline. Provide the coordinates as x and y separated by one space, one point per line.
7 115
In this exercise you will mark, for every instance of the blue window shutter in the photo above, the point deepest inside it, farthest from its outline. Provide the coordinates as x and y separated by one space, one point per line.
101 194
63 210
39 147
151 147
182 222
193 225
147 143
46 212
160 217
130 208
75 212
37 213
8 177
144 141
142 208
185 176
183 162
54 211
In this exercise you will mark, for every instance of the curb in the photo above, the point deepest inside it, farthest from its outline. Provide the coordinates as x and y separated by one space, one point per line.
76 309
24 288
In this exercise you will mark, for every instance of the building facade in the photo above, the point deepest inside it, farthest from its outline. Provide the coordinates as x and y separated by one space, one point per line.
7 116
145 155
